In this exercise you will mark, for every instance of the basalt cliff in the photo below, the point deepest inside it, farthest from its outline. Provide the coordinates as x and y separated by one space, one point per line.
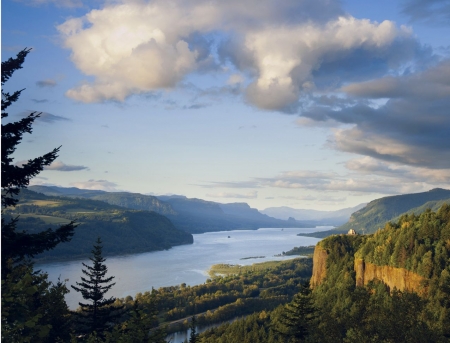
411 255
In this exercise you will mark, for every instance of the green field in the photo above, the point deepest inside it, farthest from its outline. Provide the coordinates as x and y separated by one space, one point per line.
232 269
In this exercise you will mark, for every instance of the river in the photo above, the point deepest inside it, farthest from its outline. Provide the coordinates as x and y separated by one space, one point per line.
186 263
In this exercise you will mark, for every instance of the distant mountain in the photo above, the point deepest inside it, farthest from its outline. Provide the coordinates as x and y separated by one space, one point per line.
134 201
335 218
378 212
122 230
389 209
64 191
191 215
196 216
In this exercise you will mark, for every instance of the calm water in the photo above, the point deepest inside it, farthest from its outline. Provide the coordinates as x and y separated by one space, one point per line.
186 263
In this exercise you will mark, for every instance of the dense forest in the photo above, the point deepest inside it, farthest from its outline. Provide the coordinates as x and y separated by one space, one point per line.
123 231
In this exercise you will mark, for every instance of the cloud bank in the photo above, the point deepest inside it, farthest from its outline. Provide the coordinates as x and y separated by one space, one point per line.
285 49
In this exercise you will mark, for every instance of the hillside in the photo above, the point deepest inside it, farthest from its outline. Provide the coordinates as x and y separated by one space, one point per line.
122 231
378 212
190 215
334 218
405 266
133 201
389 209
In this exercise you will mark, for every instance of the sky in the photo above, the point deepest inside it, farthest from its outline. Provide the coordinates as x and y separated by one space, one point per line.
311 104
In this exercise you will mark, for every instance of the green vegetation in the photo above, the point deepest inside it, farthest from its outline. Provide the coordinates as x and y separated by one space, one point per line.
339 311
190 215
420 244
96 315
33 309
303 251
378 212
124 231
262 286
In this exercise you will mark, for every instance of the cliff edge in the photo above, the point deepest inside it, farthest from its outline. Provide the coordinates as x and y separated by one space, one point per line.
319 266
400 278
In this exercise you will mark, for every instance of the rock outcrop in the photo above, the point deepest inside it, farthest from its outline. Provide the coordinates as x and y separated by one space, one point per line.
319 266
399 278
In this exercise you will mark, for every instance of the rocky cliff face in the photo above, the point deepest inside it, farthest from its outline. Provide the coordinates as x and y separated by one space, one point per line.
319 266
399 278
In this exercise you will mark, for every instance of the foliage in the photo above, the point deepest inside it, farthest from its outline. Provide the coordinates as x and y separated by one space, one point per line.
378 212
98 314
193 335
16 246
420 244
124 231
296 321
308 250
33 309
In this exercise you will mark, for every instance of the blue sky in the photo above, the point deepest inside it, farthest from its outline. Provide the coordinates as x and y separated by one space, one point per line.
315 104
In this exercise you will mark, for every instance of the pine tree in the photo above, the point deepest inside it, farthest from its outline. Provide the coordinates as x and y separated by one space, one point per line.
33 309
194 335
98 315
17 246
298 316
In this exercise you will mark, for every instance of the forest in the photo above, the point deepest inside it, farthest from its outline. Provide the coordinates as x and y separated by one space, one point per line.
269 302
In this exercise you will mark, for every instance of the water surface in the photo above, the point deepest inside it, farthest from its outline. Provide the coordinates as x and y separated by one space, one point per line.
187 263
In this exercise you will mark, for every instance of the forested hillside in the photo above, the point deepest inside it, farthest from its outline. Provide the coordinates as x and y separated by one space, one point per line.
339 310
190 215
123 231
379 212
389 209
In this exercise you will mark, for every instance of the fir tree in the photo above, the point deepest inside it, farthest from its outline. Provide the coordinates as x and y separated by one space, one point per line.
33 309
194 335
17 246
97 315
298 316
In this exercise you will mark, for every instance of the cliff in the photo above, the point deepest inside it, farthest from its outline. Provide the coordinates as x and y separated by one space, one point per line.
319 266
399 278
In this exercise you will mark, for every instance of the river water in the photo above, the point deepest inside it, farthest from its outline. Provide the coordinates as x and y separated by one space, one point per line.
184 264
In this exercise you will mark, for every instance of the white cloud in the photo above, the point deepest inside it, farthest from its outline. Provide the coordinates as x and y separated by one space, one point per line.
102 185
249 195
61 166
136 47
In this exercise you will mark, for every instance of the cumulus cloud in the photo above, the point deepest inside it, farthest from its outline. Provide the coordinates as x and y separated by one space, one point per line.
286 48
250 195
410 126
102 185
61 166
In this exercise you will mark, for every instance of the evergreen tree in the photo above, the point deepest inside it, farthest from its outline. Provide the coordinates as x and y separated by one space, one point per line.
97 315
17 246
33 309
140 327
194 335
297 318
